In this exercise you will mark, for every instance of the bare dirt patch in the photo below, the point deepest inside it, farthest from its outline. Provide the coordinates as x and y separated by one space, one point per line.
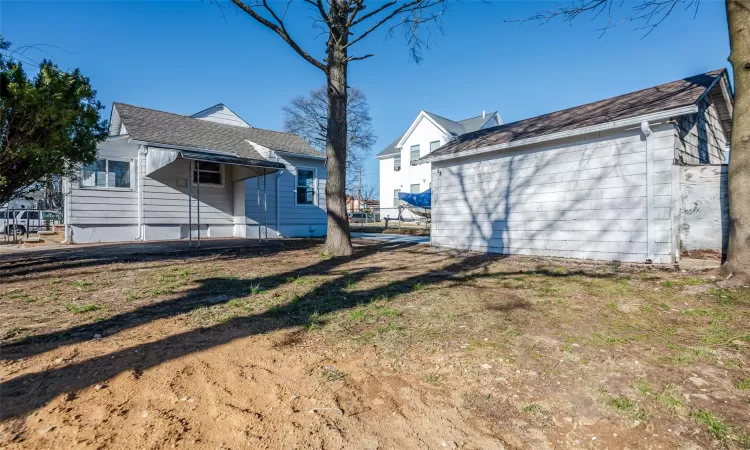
397 347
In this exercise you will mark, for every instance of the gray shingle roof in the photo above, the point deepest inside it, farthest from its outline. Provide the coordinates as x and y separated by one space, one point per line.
456 128
161 127
655 99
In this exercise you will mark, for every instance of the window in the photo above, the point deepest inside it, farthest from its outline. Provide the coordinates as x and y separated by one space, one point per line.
397 162
106 173
434 146
207 173
414 188
305 187
396 200
414 155
31 215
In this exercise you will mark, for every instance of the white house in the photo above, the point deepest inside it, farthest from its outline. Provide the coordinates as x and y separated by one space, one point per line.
399 171
168 176
639 177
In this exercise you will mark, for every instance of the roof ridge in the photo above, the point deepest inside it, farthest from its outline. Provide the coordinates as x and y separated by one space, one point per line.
598 101
488 115
438 115
234 127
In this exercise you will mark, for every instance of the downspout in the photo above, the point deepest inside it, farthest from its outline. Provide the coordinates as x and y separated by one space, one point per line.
66 211
650 244
142 151
278 200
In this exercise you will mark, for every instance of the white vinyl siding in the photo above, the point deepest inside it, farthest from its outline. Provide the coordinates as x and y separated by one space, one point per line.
577 199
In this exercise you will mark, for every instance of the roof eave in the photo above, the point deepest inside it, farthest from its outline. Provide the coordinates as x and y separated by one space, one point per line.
299 155
180 147
690 109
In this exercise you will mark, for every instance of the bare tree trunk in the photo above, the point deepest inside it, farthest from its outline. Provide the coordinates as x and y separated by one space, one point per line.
738 252
338 241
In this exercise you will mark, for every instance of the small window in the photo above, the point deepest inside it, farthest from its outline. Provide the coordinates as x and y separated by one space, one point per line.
414 188
397 162
305 187
2 214
434 145
32 215
106 173
396 200
207 173
414 154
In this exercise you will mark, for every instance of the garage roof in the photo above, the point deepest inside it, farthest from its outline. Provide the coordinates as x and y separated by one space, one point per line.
664 97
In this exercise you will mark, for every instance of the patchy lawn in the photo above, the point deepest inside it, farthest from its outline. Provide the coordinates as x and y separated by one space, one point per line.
398 347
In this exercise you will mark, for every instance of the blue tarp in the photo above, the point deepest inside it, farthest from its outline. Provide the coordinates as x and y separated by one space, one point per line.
423 200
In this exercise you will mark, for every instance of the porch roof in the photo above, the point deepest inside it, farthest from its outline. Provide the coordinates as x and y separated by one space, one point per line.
223 158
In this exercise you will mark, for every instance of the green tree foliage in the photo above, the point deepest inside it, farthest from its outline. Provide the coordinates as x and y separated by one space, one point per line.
50 123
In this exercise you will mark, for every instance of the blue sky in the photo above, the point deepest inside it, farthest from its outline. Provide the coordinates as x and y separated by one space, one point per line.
183 56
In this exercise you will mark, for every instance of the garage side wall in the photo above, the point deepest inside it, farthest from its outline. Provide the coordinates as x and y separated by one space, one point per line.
580 198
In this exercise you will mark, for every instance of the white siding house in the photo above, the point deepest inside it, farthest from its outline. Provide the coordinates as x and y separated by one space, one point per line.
145 183
399 170
602 181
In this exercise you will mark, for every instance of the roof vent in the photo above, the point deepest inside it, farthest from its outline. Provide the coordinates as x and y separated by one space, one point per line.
484 113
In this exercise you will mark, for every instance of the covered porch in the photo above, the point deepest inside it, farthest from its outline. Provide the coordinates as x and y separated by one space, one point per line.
192 194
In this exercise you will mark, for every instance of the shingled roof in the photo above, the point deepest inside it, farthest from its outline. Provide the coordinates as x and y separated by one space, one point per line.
455 128
660 98
159 127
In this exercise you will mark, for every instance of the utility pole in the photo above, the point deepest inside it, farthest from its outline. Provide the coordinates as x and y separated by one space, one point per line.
359 191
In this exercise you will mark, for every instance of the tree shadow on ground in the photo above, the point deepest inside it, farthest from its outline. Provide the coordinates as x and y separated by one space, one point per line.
32 264
27 392
212 291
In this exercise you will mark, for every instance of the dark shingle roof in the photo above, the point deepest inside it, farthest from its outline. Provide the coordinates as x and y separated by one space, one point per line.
456 128
161 127
659 98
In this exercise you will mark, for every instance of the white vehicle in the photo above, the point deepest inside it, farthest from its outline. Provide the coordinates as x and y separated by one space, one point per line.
30 220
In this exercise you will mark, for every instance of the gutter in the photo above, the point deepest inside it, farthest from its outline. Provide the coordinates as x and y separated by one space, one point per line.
299 155
691 109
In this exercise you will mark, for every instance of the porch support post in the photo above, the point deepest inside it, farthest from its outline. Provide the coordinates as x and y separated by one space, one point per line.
190 202
198 201
265 206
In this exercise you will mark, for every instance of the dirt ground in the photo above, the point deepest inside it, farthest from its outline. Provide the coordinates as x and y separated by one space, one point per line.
401 346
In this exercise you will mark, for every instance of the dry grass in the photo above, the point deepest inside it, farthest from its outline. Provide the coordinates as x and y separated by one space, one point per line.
623 345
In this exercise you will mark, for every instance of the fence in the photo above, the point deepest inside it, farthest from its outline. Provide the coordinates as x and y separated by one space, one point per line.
16 223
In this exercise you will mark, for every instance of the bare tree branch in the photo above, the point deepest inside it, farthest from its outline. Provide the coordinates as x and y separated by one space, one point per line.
650 12
279 29
405 8
360 58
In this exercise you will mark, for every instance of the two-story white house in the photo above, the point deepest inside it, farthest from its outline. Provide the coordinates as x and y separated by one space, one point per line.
399 171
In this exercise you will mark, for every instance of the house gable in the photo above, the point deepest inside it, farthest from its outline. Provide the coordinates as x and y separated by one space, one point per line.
221 114
422 116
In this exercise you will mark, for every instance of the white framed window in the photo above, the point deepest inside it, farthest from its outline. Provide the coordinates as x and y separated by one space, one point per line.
434 145
208 173
306 184
414 188
397 162
414 154
107 173
396 200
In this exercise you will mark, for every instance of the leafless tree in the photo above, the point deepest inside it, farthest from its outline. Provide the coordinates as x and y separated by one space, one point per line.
346 23
307 117
649 14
